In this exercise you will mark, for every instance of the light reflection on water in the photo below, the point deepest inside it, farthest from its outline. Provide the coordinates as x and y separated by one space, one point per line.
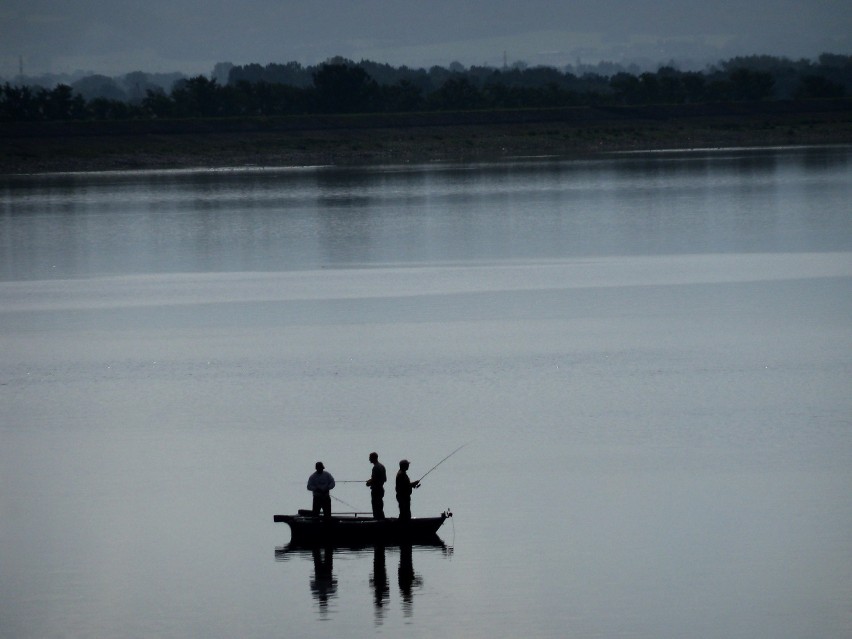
77 225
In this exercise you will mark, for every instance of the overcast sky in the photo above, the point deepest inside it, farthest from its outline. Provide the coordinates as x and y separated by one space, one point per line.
117 36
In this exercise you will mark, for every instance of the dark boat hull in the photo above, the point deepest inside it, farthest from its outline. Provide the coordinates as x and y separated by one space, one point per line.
358 530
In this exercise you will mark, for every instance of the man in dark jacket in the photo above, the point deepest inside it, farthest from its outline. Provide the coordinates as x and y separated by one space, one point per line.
404 487
377 486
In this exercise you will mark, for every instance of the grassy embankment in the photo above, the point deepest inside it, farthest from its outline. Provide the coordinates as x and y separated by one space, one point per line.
420 137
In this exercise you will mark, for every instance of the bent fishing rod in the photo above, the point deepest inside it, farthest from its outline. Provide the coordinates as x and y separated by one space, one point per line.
442 461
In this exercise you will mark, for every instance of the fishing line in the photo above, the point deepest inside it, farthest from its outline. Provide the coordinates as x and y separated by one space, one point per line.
342 502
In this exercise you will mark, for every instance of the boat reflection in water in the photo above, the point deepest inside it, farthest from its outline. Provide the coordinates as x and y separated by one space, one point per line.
324 582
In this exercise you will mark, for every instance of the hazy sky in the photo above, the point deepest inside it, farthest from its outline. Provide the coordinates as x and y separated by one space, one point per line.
117 36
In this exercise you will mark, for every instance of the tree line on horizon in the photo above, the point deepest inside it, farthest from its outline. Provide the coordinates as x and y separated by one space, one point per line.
341 86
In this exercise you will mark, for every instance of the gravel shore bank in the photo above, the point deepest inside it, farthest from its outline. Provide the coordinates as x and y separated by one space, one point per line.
69 147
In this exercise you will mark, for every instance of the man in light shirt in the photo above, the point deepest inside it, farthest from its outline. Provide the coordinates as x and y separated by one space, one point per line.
320 483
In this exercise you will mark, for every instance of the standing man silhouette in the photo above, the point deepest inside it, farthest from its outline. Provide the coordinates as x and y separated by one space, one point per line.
377 486
321 483
404 487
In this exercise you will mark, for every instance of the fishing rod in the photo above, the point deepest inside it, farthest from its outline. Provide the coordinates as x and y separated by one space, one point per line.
443 460
361 481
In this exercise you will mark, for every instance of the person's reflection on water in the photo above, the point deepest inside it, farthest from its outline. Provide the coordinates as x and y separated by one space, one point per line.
323 585
379 582
407 579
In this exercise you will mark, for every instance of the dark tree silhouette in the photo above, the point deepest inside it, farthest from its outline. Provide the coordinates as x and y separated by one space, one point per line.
197 96
457 94
341 88
817 86
751 85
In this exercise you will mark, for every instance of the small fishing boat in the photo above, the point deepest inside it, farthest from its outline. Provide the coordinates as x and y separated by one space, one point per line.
357 528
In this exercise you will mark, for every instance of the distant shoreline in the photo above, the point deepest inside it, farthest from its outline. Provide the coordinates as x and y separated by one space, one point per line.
35 148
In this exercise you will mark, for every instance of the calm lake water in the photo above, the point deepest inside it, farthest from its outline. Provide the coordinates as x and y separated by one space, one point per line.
650 356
